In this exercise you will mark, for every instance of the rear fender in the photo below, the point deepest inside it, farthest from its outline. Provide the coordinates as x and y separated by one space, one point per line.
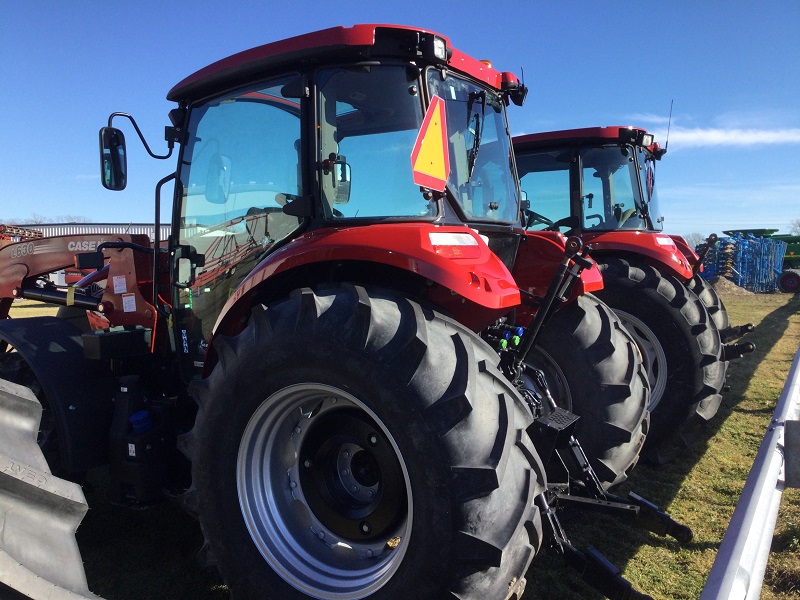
454 258
658 249
78 391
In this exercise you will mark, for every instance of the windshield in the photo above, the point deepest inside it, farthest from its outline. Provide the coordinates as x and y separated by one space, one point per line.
482 175
610 192
610 189
367 123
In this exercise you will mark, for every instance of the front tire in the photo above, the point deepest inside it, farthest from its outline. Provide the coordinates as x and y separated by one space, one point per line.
13 368
678 340
594 369
352 444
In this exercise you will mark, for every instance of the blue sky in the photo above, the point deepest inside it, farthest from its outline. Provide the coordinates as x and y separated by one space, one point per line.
732 69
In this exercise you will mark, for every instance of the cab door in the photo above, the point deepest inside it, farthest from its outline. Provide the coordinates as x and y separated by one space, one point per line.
240 166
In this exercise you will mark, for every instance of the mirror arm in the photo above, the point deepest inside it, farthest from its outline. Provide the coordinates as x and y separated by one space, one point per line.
170 141
157 239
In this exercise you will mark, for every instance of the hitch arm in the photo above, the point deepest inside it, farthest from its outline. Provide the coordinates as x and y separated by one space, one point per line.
642 512
701 256
593 567
654 519
734 332
560 283
732 351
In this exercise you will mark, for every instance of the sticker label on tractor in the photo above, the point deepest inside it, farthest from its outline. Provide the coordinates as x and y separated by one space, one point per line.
430 159
120 287
128 302
131 449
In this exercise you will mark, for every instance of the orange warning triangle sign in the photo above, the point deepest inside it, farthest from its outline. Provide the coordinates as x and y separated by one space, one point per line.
430 159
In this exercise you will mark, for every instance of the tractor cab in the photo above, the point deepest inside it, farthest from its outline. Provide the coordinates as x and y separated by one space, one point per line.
345 129
590 180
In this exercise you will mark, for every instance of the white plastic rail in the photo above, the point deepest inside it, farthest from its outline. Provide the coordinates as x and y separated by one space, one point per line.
738 571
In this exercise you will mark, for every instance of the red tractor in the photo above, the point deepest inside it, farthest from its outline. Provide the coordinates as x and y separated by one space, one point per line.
349 359
599 183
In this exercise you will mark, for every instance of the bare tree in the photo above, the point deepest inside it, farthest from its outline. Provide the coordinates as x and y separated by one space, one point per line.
794 226
695 239
37 219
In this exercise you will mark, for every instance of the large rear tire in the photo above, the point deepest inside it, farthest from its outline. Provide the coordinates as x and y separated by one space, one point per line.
352 444
594 369
678 340
711 300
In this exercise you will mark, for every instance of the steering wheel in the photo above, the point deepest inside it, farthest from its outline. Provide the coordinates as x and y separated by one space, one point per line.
532 218
565 222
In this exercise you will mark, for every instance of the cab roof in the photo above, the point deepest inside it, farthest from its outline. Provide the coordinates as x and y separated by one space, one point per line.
360 42
576 136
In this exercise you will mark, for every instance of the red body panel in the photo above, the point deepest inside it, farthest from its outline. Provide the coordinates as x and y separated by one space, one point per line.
686 250
659 249
537 259
481 279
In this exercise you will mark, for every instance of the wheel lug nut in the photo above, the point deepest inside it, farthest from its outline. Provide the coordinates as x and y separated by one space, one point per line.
366 528
372 439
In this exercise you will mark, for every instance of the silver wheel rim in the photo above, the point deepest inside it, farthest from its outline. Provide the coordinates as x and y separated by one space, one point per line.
653 355
324 492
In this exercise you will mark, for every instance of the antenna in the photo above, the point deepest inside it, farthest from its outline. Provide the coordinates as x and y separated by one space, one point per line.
669 124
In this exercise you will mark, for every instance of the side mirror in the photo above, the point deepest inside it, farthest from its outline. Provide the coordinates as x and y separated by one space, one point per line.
339 171
343 177
187 260
113 159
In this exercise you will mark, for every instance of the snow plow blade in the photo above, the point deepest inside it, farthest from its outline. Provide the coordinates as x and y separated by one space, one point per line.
39 513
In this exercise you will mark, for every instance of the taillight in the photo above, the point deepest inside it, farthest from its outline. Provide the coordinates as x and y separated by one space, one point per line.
454 244
665 240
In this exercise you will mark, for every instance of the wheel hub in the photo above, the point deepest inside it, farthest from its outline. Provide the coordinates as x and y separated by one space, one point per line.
349 477
324 492
653 355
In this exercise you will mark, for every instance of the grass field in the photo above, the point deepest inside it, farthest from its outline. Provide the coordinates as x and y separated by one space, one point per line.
701 487
150 554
